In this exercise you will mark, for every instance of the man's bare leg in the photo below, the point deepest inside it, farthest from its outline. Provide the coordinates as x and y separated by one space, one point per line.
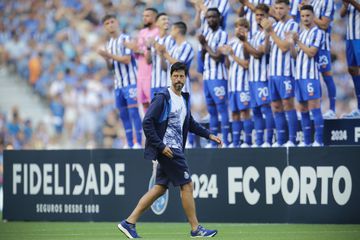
145 202
188 203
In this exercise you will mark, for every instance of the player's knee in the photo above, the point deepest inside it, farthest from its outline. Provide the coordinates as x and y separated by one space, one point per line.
245 114
277 107
303 107
313 104
235 116
288 104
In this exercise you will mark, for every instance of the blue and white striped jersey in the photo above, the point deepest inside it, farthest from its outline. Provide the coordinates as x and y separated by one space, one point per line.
158 75
258 67
325 8
125 74
215 69
353 25
222 5
294 10
183 53
281 63
250 15
238 76
307 67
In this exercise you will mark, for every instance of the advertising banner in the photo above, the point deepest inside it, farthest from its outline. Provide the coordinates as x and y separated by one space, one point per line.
278 185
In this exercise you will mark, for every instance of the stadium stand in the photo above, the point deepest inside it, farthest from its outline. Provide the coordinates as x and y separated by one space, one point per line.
51 46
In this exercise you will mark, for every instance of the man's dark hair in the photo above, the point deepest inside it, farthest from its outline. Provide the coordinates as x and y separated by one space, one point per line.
263 7
214 10
154 10
160 14
178 66
107 17
307 7
287 2
181 26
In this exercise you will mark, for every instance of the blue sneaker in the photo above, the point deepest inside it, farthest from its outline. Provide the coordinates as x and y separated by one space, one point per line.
128 229
203 232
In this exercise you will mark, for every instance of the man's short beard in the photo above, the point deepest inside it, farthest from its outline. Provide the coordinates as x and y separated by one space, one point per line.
179 86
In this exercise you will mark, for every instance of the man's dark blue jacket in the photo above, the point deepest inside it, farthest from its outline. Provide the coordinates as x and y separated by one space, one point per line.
156 120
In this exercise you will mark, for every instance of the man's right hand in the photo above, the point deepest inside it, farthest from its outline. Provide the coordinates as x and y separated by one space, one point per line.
202 40
167 152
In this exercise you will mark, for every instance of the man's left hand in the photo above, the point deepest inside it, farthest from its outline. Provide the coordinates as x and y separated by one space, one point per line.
216 139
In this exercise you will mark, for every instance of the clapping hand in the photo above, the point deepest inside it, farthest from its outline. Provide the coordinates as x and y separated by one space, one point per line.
226 49
266 24
295 37
159 48
202 40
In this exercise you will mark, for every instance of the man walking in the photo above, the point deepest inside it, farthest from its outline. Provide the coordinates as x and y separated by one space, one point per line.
166 125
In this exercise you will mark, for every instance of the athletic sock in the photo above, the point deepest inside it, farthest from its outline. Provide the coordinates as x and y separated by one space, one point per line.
319 125
236 131
292 124
259 125
214 122
135 118
248 127
329 81
223 110
306 127
280 124
356 80
125 118
269 122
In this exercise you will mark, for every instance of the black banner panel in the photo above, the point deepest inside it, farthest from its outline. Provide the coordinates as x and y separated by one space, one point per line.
277 185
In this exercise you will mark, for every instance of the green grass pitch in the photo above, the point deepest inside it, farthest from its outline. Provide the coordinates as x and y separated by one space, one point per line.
175 231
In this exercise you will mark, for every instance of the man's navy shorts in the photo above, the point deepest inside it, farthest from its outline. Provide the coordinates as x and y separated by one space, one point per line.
174 170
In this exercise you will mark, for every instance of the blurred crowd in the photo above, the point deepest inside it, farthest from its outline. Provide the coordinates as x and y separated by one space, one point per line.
52 46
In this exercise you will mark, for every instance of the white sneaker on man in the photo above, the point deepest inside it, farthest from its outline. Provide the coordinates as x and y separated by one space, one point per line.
317 144
354 114
330 114
244 145
137 146
266 145
231 145
289 144
276 144
303 144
